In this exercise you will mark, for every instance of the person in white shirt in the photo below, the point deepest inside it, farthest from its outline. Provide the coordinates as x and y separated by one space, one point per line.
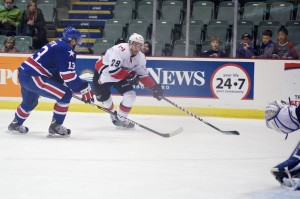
123 66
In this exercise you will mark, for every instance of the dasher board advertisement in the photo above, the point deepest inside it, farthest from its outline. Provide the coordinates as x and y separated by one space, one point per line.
230 80
196 79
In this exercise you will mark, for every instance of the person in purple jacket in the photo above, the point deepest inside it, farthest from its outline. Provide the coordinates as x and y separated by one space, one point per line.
266 48
245 49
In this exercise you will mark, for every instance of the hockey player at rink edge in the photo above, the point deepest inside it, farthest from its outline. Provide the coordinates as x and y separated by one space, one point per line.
285 118
50 72
123 66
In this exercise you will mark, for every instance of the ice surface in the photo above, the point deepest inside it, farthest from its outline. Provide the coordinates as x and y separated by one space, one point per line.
100 161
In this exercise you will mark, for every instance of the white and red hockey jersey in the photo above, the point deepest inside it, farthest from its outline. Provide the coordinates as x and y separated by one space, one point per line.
117 64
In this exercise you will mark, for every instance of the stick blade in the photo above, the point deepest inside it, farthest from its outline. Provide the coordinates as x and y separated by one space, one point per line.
231 132
175 132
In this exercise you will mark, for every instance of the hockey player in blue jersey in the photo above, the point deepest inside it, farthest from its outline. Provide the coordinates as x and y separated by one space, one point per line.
50 72
285 118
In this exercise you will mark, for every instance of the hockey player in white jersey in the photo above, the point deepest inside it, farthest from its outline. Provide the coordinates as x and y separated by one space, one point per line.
284 118
123 66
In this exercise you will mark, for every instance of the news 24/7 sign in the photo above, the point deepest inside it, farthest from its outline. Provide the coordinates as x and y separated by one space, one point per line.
203 79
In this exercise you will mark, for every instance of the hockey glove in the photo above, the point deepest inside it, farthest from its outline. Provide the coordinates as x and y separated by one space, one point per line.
87 93
133 79
281 117
157 92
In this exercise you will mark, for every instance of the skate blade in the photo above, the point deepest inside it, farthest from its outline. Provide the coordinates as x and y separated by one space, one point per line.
15 131
124 128
50 135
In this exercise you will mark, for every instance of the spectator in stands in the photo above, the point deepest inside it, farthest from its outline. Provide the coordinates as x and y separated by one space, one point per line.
283 48
147 48
267 46
245 50
33 24
9 45
10 18
215 50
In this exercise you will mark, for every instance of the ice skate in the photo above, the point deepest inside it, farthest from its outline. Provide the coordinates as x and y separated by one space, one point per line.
14 126
123 124
114 117
291 183
120 123
58 130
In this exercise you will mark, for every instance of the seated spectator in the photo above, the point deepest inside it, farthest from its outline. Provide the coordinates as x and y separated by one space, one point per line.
267 46
215 51
10 18
33 24
245 50
283 48
147 48
9 45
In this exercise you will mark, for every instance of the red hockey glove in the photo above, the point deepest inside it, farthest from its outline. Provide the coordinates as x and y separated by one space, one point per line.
87 93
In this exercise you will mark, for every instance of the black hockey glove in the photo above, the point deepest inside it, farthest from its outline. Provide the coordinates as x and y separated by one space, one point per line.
157 92
133 80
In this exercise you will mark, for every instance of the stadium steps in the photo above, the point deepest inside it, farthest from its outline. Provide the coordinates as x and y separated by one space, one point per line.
92 5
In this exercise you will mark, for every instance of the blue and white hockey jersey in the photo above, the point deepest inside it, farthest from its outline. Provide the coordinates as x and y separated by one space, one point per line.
55 60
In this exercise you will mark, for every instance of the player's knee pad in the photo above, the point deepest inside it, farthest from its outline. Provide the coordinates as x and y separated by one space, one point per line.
281 117
129 98
102 96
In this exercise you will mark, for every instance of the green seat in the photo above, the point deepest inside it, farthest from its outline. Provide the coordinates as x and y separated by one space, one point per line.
164 31
22 4
2 39
124 10
281 11
27 39
294 28
145 10
101 45
23 47
226 11
159 48
49 12
255 11
138 26
53 2
203 10
218 28
196 29
172 11
179 48
114 29
244 26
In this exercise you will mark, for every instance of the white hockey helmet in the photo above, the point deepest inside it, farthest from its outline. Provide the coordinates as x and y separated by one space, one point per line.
136 38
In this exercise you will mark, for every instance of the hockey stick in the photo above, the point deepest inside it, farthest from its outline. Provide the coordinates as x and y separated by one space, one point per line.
195 116
165 135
